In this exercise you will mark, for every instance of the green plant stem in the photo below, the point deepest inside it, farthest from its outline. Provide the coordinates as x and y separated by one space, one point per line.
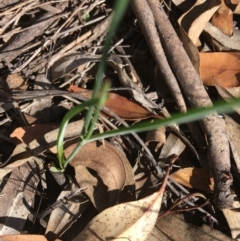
119 11
181 118
70 114
94 105
82 139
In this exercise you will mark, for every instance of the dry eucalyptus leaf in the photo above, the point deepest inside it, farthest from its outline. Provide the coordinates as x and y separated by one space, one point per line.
237 9
70 62
223 19
222 67
127 221
157 135
173 146
120 105
233 219
197 178
194 21
190 48
95 189
110 169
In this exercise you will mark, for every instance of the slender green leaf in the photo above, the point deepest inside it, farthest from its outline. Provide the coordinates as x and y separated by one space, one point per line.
191 115
119 10
69 115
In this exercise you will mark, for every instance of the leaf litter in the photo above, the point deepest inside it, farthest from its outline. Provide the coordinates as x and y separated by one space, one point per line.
49 53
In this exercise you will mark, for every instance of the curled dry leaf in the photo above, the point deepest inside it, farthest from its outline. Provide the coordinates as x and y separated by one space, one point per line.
124 108
197 178
126 221
223 19
108 172
222 67
70 62
158 136
233 219
194 20
189 47
173 146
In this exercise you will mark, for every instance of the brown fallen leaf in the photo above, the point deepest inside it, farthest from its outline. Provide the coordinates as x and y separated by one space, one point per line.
233 219
173 146
191 49
158 136
68 62
198 178
221 67
223 19
124 108
24 237
126 221
103 171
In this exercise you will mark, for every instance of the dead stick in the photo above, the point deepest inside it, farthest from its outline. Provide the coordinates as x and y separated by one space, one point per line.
146 21
213 126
